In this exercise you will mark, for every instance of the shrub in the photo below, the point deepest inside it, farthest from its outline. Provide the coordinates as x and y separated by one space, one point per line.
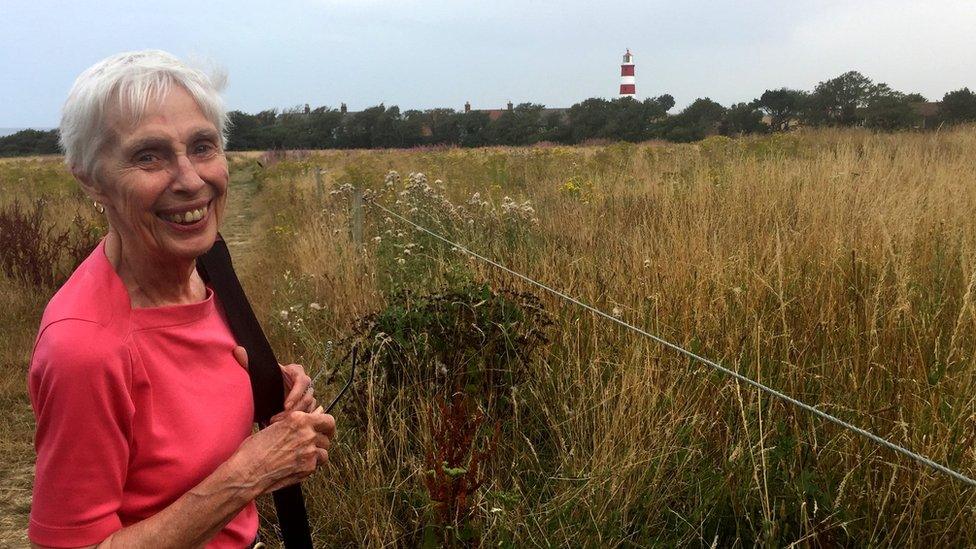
473 339
35 251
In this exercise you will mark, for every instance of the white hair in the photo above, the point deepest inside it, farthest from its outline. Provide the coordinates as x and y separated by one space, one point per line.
129 82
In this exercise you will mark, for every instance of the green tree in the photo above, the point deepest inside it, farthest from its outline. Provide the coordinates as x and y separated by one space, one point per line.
358 128
783 106
664 102
474 128
243 128
267 118
633 121
624 118
324 126
839 101
587 119
292 129
891 112
742 118
698 120
30 142
445 126
627 121
388 129
958 106
520 126
555 128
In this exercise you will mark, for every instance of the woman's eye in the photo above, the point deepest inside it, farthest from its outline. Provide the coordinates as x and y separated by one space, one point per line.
146 158
204 149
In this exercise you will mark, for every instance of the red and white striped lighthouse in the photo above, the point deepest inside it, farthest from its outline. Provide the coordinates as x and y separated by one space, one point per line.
628 86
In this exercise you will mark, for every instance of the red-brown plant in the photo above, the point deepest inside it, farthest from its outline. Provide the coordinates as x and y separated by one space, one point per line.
457 465
34 250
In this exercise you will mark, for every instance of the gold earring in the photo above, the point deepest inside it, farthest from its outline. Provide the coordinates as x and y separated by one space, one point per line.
99 208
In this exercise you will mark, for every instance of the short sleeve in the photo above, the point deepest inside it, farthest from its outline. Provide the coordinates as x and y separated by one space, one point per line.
79 384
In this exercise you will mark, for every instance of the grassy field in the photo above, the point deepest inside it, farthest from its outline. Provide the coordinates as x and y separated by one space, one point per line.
836 266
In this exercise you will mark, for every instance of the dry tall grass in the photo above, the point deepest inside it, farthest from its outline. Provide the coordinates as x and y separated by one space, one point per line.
837 266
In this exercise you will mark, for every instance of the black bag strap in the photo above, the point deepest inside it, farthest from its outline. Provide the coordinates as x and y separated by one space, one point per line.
267 385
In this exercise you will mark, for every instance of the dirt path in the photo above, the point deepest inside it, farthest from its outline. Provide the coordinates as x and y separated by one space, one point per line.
237 229
15 498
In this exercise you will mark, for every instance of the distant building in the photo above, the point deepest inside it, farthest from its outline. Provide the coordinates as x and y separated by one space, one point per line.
495 114
928 111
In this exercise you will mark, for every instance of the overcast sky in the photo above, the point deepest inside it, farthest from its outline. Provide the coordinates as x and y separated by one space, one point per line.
422 54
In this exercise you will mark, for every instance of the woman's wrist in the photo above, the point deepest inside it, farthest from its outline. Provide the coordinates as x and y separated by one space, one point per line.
237 476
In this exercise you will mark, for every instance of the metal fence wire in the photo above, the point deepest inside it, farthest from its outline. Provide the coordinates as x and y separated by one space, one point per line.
732 373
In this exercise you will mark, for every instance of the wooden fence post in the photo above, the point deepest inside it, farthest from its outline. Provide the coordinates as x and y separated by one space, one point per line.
319 187
357 217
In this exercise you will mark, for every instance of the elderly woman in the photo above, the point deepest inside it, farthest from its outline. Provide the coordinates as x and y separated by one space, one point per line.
142 399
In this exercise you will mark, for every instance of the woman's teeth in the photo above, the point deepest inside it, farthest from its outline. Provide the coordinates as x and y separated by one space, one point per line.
191 216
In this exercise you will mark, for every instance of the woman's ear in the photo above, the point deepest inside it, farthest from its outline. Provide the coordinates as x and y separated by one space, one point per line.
88 185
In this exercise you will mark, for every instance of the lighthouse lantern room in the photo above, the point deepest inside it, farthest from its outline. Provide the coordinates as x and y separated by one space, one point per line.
628 86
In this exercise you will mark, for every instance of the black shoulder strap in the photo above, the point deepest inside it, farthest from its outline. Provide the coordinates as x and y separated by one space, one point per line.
267 386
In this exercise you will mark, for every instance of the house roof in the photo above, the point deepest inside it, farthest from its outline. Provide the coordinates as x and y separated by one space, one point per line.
495 114
928 108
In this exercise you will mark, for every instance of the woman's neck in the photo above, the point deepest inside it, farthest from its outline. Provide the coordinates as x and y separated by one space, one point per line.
153 282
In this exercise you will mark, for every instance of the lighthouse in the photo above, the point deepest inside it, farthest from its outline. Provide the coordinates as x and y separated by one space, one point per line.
628 86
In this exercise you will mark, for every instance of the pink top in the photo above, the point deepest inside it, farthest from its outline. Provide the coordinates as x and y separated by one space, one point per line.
134 407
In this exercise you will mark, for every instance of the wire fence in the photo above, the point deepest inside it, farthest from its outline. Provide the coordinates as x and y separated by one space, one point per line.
731 373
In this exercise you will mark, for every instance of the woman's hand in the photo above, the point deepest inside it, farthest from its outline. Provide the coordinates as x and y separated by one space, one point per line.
299 393
296 441
287 451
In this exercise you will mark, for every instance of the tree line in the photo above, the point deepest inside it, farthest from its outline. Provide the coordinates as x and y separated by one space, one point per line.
850 99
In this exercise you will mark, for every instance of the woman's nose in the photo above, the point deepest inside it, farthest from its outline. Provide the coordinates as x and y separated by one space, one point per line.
187 178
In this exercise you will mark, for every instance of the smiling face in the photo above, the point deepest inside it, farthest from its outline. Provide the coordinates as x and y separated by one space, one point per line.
163 181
